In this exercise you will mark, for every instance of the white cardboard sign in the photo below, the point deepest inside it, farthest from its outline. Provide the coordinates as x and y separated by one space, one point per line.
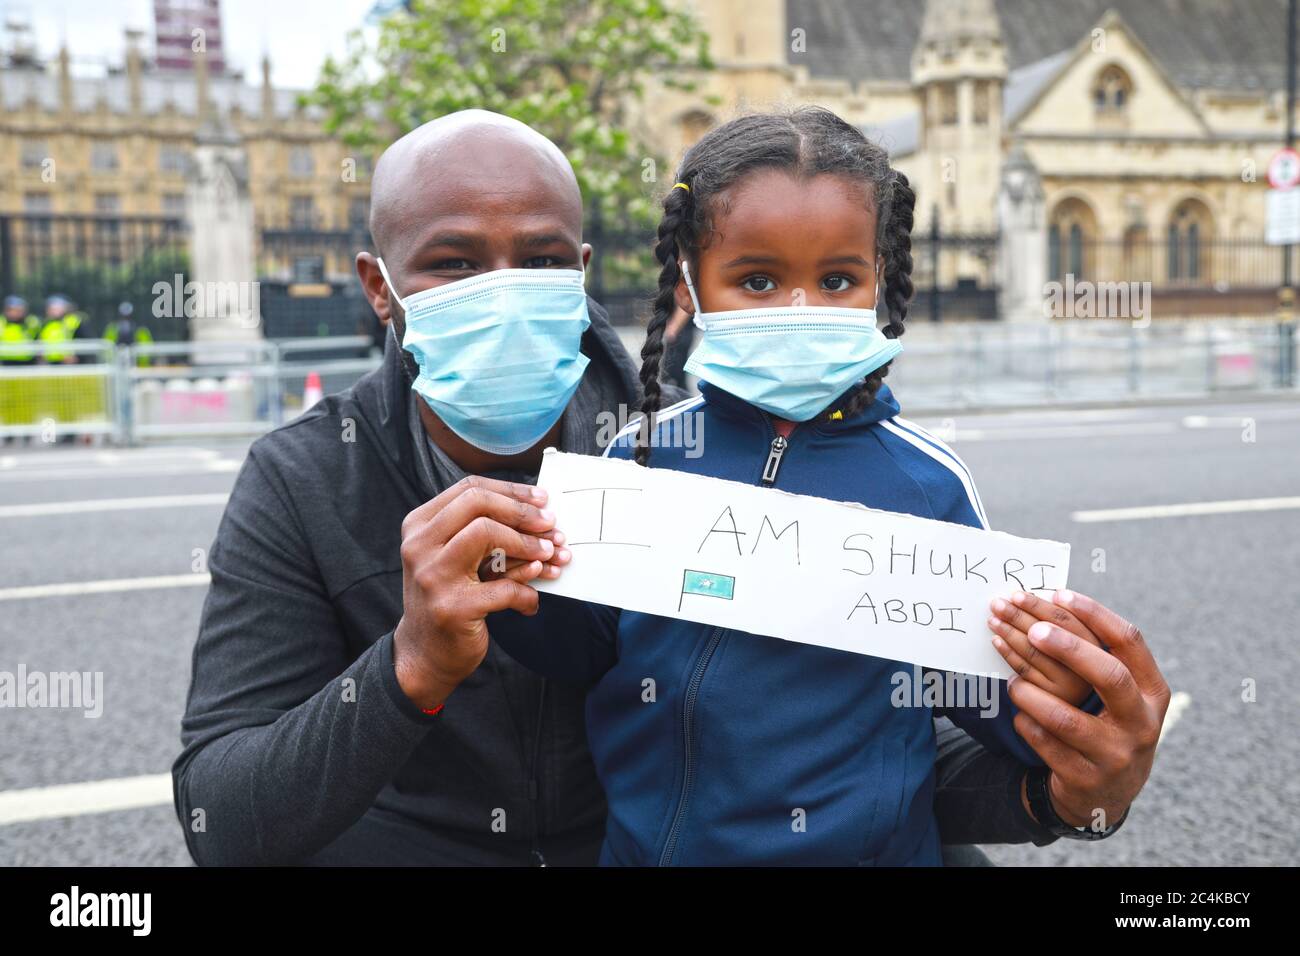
834 574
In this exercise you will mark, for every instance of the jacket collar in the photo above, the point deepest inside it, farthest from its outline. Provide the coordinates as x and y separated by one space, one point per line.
885 406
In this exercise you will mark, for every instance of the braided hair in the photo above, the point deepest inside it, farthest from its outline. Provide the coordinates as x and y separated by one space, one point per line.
807 141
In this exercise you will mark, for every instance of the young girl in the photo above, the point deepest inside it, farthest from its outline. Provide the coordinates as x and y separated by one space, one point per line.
718 746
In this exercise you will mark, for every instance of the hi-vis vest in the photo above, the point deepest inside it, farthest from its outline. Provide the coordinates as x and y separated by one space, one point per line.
59 330
14 334
140 336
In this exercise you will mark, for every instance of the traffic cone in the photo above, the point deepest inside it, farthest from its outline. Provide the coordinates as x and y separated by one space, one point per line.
312 391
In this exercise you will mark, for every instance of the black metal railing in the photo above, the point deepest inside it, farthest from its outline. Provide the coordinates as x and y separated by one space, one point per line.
623 272
308 283
97 261
1213 263
954 275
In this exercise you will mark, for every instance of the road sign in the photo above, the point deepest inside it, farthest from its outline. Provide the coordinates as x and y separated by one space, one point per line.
1282 222
1284 169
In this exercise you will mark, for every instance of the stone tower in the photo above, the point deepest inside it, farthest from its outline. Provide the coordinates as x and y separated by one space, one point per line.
959 68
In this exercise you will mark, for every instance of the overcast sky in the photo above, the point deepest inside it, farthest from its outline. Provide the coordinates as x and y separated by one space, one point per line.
297 33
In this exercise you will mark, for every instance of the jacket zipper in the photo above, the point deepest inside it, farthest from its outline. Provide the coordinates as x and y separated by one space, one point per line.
688 772
779 445
775 453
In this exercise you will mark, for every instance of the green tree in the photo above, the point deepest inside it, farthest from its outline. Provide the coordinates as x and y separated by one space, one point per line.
569 69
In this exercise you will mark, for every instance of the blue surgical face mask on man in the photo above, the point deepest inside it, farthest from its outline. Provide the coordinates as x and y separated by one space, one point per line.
499 353
791 362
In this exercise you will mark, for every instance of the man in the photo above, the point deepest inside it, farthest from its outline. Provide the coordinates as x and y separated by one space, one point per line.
347 706
300 741
16 332
61 325
123 331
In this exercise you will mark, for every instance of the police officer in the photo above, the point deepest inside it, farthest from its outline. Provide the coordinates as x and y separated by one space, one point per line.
61 325
18 330
124 331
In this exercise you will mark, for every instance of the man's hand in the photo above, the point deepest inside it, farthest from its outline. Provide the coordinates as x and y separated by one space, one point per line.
474 525
1098 763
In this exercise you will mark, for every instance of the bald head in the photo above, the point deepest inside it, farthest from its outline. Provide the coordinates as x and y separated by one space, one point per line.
467 194
475 155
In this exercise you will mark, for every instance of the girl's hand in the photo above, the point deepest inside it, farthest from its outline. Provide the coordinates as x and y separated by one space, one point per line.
499 565
1012 622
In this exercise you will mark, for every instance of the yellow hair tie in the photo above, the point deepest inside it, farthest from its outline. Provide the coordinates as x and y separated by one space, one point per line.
682 186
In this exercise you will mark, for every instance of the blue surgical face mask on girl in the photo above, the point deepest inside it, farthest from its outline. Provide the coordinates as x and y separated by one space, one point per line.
791 362
499 353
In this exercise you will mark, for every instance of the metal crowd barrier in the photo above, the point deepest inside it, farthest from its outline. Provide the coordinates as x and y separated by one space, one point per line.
160 390
49 391
163 390
983 364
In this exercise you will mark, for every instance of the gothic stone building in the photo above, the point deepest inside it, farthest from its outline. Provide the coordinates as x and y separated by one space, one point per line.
1107 139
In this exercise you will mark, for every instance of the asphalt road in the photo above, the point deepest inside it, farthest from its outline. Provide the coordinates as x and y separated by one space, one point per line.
1217 596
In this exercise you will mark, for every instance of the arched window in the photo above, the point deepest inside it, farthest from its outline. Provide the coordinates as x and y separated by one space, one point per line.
1190 228
1071 236
983 93
948 104
1112 90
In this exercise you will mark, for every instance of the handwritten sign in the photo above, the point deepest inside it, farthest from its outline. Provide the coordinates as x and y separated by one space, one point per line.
834 574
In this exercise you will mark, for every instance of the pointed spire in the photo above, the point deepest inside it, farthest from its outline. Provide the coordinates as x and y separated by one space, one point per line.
65 79
268 91
134 68
202 99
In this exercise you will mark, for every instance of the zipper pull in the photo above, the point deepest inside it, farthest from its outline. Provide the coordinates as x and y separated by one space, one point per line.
779 444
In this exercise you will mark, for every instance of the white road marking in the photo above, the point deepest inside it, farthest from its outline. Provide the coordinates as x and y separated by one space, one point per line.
1087 423
1178 703
110 504
1037 432
72 454
215 466
1237 421
72 588
1187 510
78 799
120 456
89 456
